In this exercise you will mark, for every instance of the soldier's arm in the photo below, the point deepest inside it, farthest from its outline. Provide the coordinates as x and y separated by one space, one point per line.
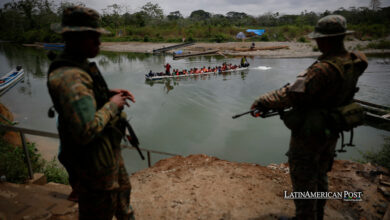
303 91
277 99
79 106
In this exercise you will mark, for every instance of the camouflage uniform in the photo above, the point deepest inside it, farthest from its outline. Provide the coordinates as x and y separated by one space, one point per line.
327 84
90 128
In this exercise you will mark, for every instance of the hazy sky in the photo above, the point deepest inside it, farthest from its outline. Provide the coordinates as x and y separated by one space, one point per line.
252 7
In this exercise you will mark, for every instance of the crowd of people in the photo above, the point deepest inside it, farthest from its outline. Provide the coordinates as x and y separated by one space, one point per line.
216 69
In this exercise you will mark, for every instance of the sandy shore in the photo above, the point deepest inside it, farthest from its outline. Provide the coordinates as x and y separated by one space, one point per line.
295 49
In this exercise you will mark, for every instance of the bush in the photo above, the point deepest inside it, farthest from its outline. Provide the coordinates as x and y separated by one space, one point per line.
382 157
12 161
14 167
383 44
264 37
302 39
219 38
54 172
190 39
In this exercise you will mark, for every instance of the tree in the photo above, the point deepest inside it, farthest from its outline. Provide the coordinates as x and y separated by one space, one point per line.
154 11
200 15
175 15
375 4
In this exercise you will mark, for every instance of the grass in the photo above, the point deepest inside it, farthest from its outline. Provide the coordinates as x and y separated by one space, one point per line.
381 157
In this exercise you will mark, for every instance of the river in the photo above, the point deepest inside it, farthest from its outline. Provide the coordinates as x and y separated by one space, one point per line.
193 115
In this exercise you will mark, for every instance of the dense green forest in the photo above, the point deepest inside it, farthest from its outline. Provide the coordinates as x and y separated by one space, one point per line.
29 21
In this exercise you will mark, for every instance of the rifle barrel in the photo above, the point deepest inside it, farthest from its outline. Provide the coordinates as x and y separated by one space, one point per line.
239 115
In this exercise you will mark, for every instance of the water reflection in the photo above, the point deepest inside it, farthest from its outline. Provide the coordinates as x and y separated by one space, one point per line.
33 60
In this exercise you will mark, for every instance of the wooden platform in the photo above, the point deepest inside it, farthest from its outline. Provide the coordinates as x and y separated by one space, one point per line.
262 48
178 56
173 47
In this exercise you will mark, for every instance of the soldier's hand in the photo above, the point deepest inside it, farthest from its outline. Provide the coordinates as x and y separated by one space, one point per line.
255 112
119 100
125 93
258 109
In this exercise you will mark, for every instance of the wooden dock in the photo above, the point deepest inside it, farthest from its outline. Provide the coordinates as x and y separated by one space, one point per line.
178 56
164 49
261 48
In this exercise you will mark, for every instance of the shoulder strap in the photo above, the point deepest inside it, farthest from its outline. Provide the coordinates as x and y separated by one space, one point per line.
338 64
60 62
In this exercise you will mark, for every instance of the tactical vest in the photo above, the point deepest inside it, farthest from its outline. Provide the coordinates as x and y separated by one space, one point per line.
100 87
350 70
336 112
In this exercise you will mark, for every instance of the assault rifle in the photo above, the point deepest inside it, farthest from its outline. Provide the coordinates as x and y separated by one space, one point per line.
257 111
132 138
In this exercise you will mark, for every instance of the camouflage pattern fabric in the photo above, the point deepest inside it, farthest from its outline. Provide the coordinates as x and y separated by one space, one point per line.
312 145
79 18
310 159
330 26
90 131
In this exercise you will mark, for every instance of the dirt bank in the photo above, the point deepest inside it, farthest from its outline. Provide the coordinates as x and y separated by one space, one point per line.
295 49
203 187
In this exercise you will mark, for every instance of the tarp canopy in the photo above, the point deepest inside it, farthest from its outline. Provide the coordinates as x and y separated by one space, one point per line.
256 31
240 35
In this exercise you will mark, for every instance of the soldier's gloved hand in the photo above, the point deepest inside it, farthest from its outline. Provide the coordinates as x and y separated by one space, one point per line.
259 109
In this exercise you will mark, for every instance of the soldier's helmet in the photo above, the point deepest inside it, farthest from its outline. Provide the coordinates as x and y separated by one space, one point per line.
329 26
79 18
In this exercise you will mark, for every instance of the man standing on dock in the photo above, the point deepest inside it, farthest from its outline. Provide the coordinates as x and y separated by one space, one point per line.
90 121
327 85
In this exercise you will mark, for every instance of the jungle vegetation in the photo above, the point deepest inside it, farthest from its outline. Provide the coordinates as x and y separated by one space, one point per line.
28 21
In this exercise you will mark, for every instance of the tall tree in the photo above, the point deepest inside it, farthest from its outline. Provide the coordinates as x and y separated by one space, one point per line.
154 11
375 4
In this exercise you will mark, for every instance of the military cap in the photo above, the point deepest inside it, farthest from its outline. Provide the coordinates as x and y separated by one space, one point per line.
329 26
79 18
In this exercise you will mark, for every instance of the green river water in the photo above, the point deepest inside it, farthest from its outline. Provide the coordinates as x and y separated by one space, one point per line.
193 115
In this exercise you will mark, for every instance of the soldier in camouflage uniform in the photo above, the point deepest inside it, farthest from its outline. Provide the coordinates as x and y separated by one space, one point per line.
328 83
90 121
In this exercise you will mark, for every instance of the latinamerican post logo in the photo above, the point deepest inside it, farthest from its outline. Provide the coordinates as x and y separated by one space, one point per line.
345 195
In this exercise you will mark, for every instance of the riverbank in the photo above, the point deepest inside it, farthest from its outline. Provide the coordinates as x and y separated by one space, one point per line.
294 50
204 187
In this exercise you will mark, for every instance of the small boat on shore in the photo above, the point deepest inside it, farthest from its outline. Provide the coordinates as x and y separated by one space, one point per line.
147 77
377 116
10 79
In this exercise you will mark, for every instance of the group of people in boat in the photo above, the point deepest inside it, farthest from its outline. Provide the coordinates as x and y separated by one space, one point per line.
217 69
